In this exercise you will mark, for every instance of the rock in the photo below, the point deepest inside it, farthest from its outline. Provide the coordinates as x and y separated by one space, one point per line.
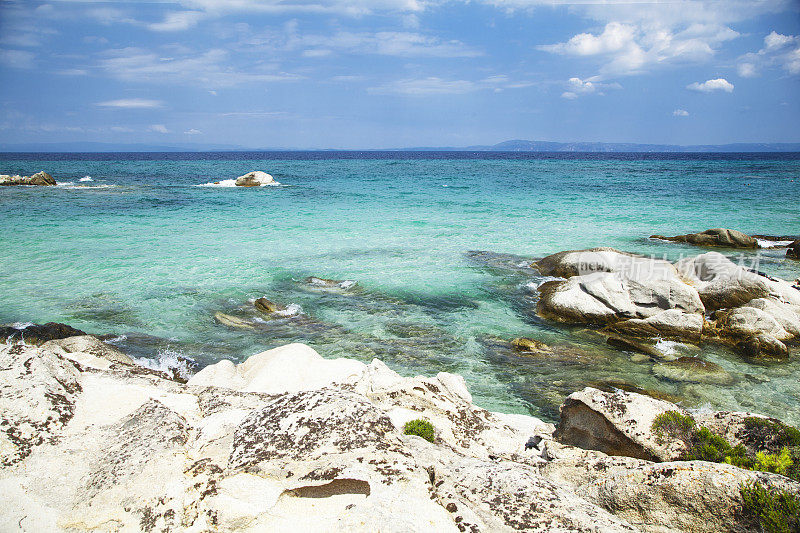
267 306
715 237
90 346
37 333
635 288
524 344
632 345
687 495
613 385
745 322
693 370
40 178
793 250
722 284
581 262
616 423
763 346
255 179
526 347
669 324
232 321
290 368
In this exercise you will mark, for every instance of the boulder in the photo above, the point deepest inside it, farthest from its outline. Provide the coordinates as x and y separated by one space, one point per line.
232 321
581 262
267 306
616 423
745 322
40 178
683 496
793 250
634 345
763 346
257 178
714 237
669 324
37 333
88 345
693 370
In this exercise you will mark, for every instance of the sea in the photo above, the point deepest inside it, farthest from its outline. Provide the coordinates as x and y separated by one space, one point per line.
146 249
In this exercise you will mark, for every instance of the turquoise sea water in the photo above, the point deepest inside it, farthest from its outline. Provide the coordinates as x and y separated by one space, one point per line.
142 251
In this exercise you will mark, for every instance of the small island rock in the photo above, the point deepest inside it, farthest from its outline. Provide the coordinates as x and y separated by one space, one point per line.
256 178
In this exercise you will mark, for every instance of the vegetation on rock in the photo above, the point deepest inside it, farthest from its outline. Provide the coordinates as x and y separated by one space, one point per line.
776 511
421 428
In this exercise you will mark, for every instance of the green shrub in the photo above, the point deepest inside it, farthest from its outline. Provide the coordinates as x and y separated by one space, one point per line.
776 511
421 428
778 463
672 424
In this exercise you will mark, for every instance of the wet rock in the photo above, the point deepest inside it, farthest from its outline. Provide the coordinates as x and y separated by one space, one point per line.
233 321
793 250
524 344
633 345
257 178
267 306
38 333
715 237
40 178
693 370
763 346
615 423
531 348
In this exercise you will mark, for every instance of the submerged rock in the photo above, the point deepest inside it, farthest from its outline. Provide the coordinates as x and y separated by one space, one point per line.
257 178
40 178
693 370
37 333
322 283
728 238
233 321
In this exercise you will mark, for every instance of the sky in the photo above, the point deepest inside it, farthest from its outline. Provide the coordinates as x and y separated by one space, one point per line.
371 74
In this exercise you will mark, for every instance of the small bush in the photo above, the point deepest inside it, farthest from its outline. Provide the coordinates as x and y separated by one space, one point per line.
778 463
675 425
776 511
421 428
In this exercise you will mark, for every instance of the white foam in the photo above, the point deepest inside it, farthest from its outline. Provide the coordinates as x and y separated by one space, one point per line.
86 178
291 310
117 339
346 284
232 183
534 285
168 361
668 347
21 325
764 243
65 183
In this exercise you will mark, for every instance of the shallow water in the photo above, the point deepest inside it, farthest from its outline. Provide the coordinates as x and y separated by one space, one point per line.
142 251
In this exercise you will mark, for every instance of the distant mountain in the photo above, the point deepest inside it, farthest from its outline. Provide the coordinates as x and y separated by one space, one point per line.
506 146
544 146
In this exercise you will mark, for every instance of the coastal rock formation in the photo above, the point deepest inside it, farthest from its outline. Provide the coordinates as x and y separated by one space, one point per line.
37 333
40 178
605 286
637 297
727 238
288 440
693 370
257 178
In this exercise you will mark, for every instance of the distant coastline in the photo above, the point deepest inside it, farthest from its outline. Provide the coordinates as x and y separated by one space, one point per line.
505 146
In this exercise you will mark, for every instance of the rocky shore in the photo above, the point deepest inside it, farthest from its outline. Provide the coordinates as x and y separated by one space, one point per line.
288 440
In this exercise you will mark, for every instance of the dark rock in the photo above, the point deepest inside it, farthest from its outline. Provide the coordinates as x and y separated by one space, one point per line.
793 250
38 333
763 347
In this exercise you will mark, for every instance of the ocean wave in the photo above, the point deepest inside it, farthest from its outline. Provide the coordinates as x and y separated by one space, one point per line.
291 310
86 178
764 243
170 362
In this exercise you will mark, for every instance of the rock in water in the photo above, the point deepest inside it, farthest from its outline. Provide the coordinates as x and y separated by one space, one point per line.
40 178
256 179
693 370
793 251
38 333
728 238
267 306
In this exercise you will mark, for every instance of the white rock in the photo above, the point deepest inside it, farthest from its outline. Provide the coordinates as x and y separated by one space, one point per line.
256 178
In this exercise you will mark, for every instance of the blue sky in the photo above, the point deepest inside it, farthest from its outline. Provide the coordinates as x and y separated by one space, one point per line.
397 73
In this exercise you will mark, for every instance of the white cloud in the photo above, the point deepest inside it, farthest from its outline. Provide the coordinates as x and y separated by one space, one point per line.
132 103
680 113
577 87
17 58
624 48
779 50
718 84
158 128
211 69
177 21
399 44
193 131
439 86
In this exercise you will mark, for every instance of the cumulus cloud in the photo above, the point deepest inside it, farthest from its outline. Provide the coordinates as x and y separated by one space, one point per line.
718 84
158 128
625 48
577 87
680 113
779 50
131 103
